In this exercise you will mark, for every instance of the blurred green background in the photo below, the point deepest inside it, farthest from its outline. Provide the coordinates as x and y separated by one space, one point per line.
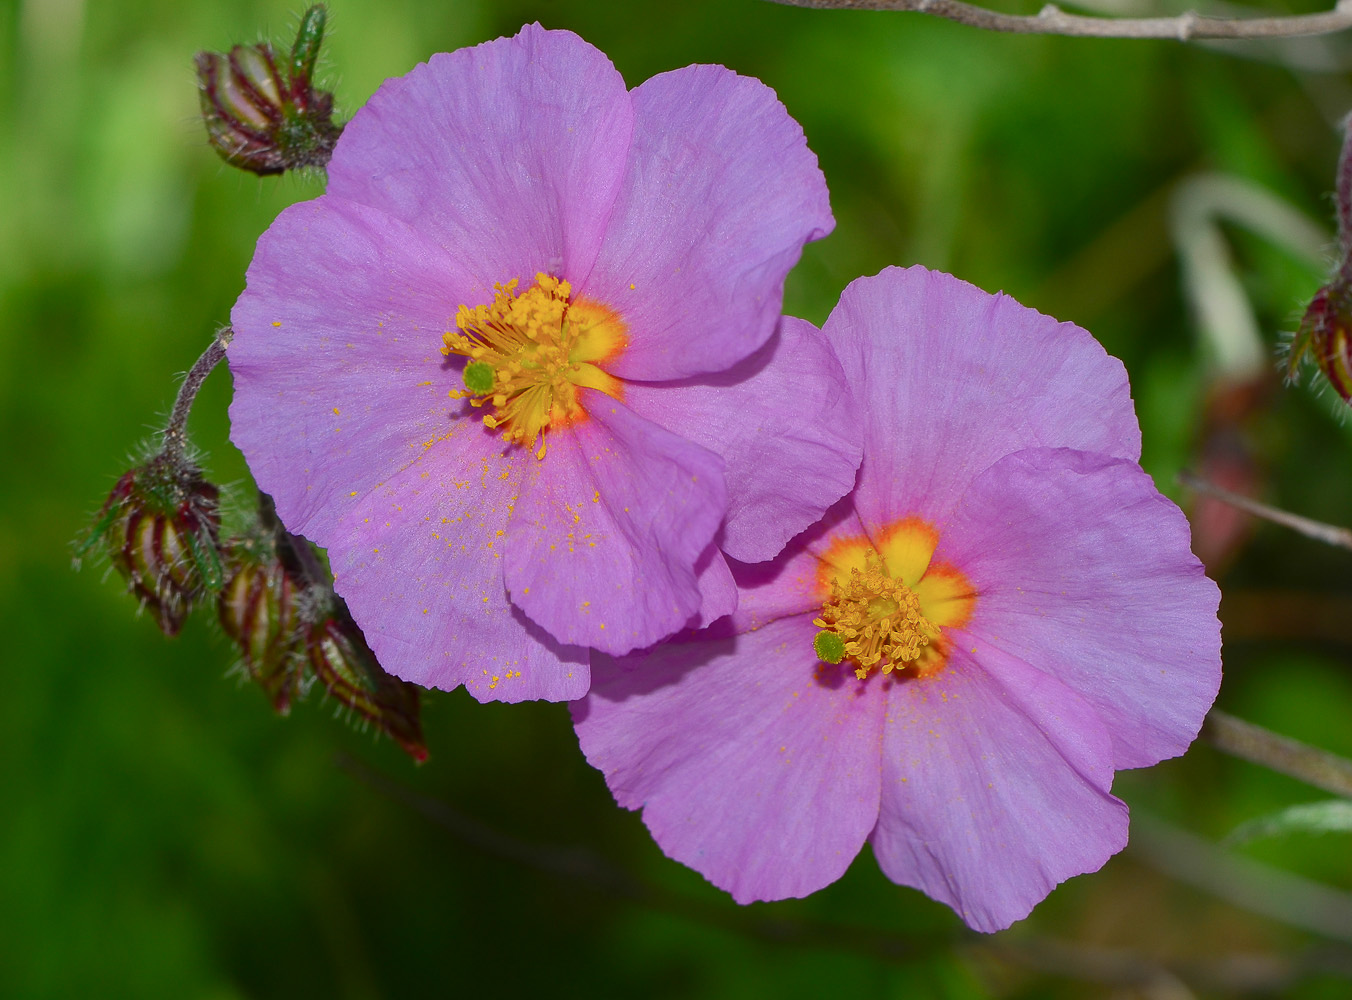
162 834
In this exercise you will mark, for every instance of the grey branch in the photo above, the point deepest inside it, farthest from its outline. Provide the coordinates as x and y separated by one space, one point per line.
1279 753
1052 20
1330 534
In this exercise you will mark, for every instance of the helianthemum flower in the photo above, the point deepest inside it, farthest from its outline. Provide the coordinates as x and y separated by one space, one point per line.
953 663
522 360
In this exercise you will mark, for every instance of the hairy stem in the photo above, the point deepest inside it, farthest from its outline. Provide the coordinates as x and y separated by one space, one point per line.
175 435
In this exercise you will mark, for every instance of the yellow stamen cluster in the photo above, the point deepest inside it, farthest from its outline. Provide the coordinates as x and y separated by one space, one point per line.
528 355
878 619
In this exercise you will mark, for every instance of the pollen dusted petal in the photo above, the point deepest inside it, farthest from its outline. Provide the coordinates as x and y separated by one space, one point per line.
419 561
341 313
603 549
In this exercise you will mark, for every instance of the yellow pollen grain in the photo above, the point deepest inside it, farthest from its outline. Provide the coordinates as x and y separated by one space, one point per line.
277 322
336 411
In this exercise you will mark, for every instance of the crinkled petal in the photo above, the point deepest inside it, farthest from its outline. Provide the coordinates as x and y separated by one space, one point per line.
951 378
785 423
508 154
747 767
1084 571
603 546
339 378
720 195
419 562
996 783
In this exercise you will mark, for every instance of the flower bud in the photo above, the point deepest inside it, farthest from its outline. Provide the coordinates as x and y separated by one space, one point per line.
160 525
348 669
1323 336
261 117
1324 329
258 610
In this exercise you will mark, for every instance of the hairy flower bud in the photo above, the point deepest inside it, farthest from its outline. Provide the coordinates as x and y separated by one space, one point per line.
1327 324
265 117
348 669
160 525
1323 336
258 609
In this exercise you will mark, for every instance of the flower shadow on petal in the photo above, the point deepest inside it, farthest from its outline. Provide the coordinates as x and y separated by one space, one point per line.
663 665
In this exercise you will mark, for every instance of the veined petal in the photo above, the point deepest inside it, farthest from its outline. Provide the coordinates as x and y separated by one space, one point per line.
1084 570
950 379
720 195
749 766
603 548
995 787
784 421
508 154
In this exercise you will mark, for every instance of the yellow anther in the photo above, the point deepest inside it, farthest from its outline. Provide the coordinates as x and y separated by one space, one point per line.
878 619
542 347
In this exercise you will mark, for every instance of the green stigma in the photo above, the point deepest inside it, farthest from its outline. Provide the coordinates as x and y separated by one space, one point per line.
829 646
478 377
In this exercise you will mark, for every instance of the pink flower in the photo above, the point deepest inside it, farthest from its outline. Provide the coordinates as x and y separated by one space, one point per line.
1013 607
522 360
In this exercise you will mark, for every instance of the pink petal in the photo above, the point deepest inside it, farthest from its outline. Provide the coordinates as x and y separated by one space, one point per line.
419 562
747 768
1084 571
508 154
717 588
604 543
995 787
720 195
339 377
951 378
785 423
788 584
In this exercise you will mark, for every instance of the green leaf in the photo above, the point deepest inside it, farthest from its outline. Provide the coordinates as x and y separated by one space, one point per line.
1334 816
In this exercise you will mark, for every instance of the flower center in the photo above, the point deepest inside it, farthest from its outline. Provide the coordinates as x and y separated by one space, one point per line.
529 354
886 602
876 619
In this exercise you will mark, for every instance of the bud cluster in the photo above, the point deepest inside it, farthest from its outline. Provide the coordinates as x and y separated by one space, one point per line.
160 528
264 115
291 629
